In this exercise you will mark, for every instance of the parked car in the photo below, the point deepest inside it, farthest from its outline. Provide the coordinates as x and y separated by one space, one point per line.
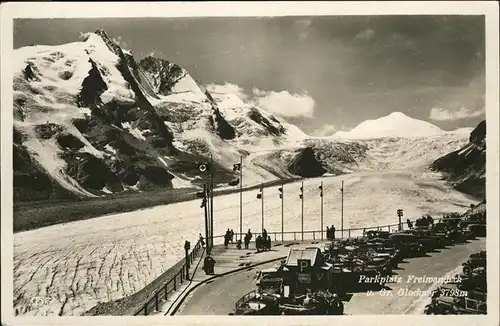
407 244
427 241
474 261
476 230
372 234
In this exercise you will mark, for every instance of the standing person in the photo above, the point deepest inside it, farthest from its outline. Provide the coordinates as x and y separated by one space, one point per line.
250 236
327 232
332 230
202 242
264 234
247 241
410 224
258 243
232 236
206 265
227 238
211 265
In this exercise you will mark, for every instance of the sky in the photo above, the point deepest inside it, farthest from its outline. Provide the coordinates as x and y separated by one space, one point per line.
322 73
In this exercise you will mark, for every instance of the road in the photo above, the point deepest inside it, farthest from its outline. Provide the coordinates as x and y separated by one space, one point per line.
219 296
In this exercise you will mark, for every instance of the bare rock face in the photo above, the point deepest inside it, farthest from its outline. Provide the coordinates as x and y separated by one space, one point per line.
465 168
92 88
256 116
31 182
162 74
91 172
304 164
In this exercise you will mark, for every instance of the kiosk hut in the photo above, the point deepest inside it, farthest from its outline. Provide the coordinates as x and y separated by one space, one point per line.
305 270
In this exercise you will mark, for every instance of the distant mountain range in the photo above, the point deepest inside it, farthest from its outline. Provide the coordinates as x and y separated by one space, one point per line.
90 121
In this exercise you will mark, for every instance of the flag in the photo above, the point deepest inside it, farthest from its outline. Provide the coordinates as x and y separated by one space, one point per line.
259 196
204 167
320 191
281 196
200 194
234 182
203 203
300 196
236 167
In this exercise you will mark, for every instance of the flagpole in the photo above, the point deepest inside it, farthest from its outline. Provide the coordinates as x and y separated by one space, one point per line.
205 193
262 194
342 212
241 198
321 194
302 218
282 212
211 201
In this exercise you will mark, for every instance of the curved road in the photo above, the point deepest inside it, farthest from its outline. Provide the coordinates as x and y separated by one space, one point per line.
219 296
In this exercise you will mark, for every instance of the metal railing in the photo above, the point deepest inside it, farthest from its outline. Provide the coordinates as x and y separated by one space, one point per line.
161 295
313 235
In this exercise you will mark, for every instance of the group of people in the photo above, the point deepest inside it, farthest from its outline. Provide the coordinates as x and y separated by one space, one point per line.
330 233
208 265
263 241
228 237
424 221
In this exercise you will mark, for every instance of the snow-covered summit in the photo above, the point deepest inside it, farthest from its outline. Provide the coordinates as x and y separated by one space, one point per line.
396 124
91 120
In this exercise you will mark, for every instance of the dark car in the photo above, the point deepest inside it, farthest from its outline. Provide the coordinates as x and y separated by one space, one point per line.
372 234
407 244
476 230
428 241
383 248
474 261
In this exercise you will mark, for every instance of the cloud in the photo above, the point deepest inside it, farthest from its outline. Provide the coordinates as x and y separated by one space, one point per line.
122 43
440 114
227 88
285 104
367 34
84 36
324 130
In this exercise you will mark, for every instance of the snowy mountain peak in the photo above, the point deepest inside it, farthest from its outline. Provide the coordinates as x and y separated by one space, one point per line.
89 120
396 124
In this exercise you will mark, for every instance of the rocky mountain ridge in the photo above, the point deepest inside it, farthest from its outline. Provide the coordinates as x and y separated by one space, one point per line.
90 121
465 168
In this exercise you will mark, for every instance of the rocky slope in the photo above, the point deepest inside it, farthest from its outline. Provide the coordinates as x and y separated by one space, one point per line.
90 121
466 168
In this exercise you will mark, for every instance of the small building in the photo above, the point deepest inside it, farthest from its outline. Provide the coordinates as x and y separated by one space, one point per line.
305 269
